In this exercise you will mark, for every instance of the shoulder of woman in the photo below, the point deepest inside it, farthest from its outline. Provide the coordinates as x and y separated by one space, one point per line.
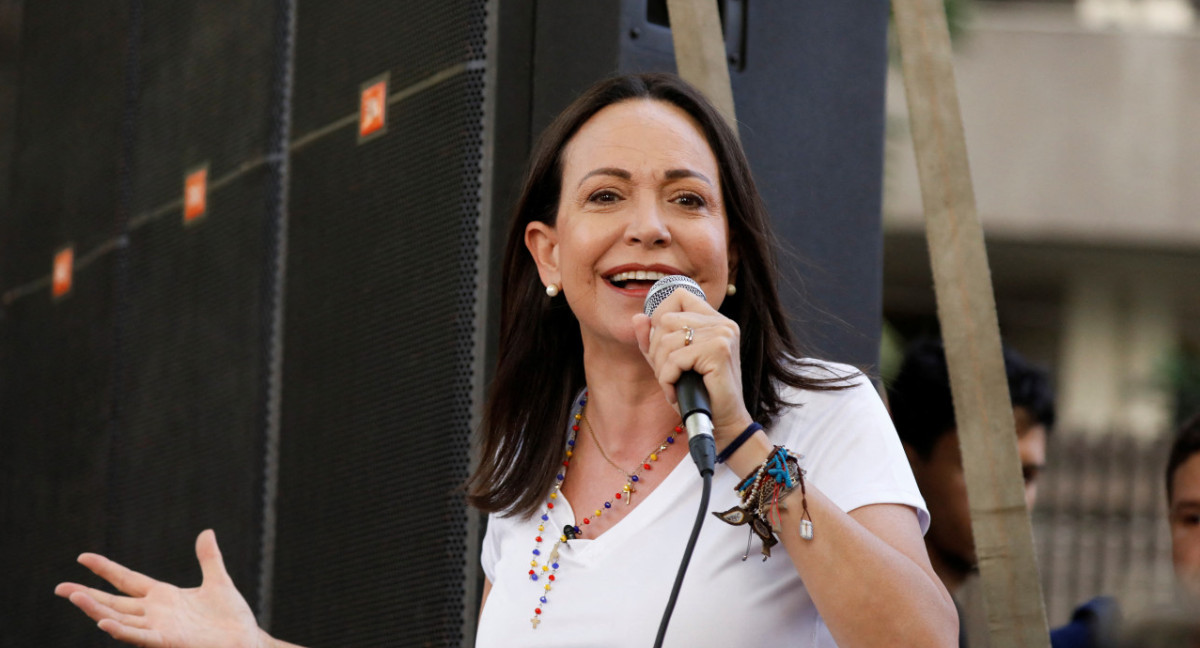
829 378
846 391
826 370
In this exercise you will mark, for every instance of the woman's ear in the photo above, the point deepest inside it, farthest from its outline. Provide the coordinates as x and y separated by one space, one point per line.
542 242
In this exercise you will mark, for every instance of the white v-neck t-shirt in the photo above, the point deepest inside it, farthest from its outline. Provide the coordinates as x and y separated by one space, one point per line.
611 591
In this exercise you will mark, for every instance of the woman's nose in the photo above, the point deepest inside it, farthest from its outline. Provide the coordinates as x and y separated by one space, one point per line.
647 226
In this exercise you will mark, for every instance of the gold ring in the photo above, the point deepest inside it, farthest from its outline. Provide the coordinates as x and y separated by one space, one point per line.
688 334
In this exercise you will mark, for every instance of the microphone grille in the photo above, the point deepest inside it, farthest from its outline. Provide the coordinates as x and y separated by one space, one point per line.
667 285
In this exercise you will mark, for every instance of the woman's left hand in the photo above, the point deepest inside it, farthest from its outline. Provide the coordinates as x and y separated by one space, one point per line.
713 352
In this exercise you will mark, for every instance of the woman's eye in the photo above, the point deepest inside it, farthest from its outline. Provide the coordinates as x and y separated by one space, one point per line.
690 200
604 196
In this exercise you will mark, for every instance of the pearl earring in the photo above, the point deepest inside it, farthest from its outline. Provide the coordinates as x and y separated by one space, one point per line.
730 290
552 290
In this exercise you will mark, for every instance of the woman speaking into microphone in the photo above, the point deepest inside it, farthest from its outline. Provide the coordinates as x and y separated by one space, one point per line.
582 469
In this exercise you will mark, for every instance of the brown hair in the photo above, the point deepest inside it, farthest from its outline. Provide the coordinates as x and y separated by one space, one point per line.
540 364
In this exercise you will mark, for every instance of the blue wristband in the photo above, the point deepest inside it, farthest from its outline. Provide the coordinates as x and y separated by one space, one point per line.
737 443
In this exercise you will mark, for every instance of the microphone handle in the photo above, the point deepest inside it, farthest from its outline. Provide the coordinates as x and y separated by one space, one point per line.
697 417
692 395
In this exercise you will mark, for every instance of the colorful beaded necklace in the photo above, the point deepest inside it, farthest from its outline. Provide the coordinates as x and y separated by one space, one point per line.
549 568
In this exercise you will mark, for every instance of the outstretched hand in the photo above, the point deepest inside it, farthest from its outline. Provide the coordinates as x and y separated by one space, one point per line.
157 614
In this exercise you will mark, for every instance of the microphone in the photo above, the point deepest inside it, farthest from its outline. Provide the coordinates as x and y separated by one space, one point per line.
689 389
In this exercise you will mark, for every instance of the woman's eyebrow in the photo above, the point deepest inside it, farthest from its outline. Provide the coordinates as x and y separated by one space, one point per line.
671 174
612 171
676 174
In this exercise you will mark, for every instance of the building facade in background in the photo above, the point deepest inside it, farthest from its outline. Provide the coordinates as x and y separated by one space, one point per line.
1084 148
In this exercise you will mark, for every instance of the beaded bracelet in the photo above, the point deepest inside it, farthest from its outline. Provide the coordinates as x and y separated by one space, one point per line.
737 443
762 494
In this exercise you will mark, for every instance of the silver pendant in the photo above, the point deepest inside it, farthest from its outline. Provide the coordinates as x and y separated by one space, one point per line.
806 529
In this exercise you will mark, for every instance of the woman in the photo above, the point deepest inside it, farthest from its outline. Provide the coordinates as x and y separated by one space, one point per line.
637 179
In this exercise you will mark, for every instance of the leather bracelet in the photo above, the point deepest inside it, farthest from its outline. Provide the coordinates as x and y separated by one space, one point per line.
737 443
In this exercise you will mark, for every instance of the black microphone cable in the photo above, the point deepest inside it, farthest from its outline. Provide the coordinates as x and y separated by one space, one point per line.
697 416
703 450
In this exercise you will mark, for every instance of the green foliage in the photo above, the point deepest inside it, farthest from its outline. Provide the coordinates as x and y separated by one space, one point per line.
1181 371
957 13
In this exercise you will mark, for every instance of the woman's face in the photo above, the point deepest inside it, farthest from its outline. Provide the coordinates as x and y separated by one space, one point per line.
641 199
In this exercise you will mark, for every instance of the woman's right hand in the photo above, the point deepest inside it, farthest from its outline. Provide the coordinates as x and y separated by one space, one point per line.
157 614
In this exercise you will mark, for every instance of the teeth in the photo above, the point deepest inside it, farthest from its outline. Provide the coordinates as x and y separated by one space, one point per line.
637 275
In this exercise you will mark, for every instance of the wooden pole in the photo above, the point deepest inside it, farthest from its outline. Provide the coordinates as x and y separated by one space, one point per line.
700 52
967 312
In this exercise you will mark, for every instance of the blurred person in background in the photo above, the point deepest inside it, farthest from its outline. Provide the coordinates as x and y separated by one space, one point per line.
1183 505
923 412
1177 625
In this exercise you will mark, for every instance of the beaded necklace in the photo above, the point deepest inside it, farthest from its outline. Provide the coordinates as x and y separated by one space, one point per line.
549 568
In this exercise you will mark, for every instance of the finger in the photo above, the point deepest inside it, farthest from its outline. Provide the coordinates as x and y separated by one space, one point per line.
66 589
672 368
90 607
128 634
99 611
209 554
121 577
641 329
122 604
675 337
682 301
706 357
673 355
668 374
679 319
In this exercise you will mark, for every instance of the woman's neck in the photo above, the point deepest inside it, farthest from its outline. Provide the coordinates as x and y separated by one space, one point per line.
626 406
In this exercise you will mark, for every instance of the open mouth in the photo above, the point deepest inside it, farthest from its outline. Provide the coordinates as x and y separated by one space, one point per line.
635 279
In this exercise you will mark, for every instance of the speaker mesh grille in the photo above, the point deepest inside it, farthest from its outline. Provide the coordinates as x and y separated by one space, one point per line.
189 442
138 405
56 358
67 136
54 402
188 450
380 322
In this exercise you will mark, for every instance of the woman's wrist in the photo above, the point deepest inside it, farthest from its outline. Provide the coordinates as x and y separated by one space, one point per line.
750 455
733 446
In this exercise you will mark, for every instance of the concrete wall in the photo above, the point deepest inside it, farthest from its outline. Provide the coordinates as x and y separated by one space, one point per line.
1073 134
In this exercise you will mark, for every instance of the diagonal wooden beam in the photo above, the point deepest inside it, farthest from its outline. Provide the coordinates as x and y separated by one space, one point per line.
967 312
700 52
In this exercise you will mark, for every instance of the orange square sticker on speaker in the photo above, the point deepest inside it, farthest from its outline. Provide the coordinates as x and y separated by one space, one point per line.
64 270
372 109
195 194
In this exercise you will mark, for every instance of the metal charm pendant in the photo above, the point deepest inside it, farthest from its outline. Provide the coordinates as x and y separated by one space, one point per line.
735 516
763 531
806 529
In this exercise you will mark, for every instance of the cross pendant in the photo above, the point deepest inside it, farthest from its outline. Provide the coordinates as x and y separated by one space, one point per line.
535 621
629 496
